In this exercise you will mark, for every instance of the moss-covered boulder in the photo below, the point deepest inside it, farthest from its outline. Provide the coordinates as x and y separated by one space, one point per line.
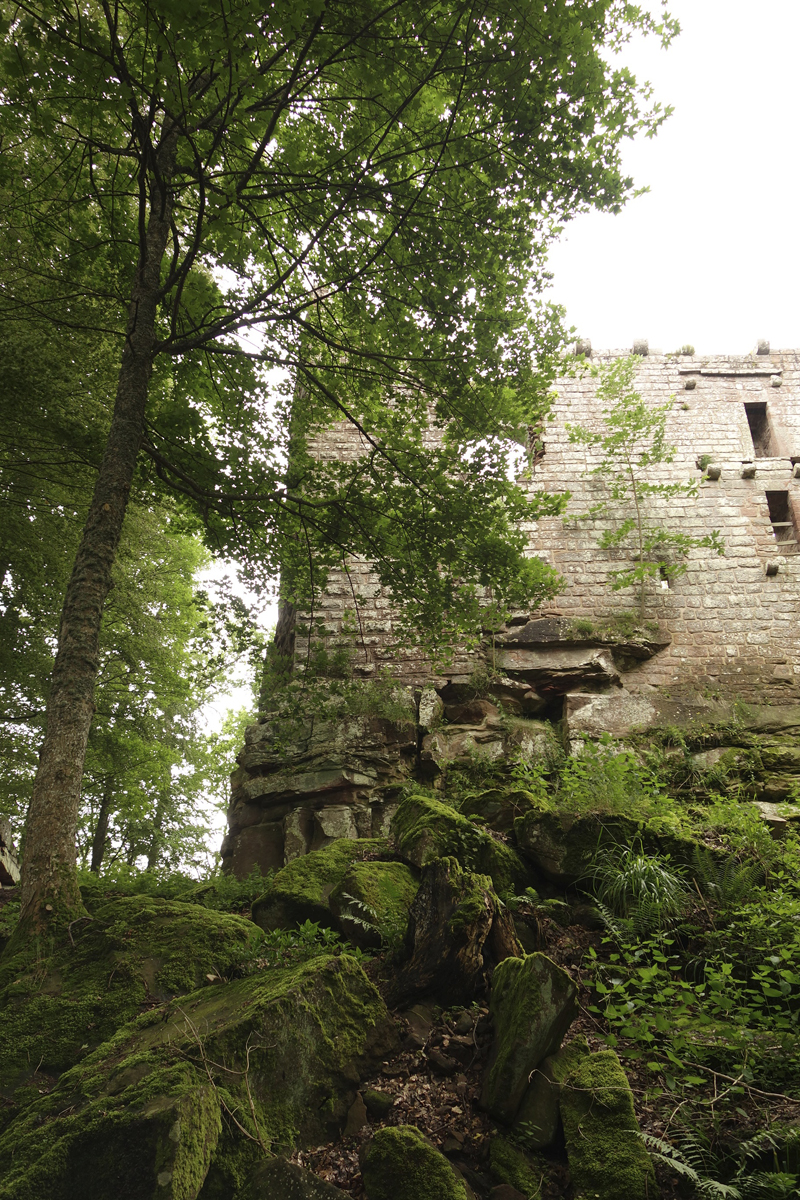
301 891
607 1159
280 1053
372 902
499 807
564 846
533 1004
424 829
61 998
457 929
141 1136
400 1164
511 1165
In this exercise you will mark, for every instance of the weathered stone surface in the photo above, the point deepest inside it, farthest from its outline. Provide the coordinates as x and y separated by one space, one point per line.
498 807
260 846
430 710
424 828
471 712
772 817
301 891
282 1180
456 930
563 846
607 1160
539 1117
616 712
451 743
513 1170
304 783
401 1164
533 1003
560 668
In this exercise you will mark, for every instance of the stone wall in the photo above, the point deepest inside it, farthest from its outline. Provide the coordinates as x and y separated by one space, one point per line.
725 630
733 626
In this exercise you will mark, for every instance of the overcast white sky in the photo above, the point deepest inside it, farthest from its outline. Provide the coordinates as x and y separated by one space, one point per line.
711 255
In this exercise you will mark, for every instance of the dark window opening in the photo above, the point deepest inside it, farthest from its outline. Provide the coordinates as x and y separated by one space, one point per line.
663 575
781 518
758 421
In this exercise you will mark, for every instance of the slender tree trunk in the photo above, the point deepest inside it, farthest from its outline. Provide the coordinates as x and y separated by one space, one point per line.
49 880
101 828
154 850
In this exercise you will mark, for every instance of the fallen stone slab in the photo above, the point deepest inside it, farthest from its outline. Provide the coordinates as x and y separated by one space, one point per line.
533 1004
607 1158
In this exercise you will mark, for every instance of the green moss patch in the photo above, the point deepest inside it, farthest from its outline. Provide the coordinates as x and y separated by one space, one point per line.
276 1056
301 890
533 1003
424 828
400 1164
59 1000
607 1159
508 1164
373 900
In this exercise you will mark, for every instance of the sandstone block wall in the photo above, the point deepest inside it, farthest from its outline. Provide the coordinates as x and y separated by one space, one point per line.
733 626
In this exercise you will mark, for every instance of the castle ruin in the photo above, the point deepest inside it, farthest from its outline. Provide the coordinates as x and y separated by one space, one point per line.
723 630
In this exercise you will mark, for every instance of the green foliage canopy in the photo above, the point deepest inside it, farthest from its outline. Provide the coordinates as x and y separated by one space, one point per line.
360 197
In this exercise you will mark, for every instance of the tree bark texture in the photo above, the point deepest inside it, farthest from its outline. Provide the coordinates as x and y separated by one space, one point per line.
49 879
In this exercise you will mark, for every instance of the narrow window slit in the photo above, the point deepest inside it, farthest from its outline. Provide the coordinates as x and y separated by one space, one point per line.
760 430
782 521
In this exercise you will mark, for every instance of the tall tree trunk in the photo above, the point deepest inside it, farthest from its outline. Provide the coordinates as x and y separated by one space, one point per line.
101 828
154 849
49 880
